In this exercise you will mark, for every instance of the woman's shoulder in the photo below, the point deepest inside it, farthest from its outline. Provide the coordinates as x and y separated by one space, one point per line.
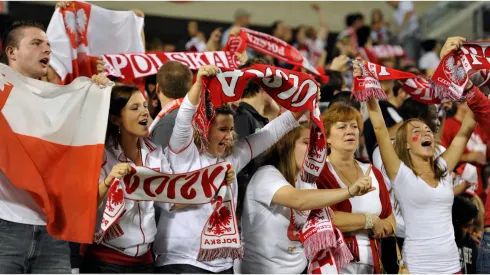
264 174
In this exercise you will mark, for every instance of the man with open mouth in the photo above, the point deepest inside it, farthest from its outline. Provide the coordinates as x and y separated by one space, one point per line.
27 247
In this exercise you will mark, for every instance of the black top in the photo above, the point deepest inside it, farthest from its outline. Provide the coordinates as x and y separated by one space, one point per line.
468 253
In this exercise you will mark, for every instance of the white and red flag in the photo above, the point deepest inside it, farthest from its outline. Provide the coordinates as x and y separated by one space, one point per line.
83 32
51 144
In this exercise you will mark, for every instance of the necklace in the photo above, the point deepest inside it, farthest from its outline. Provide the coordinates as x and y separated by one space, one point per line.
357 172
140 156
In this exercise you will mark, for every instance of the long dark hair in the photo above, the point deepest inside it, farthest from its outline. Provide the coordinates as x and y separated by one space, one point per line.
120 96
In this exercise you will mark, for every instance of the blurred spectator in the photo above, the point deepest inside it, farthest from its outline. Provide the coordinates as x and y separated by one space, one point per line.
380 32
279 29
476 151
197 42
408 27
242 20
464 212
364 36
430 59
311 42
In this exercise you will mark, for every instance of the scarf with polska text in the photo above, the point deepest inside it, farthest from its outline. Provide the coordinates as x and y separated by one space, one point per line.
447 83
138 65
292 90
219 239
269 45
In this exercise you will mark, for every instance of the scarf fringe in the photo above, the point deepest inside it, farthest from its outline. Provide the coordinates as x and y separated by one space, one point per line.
207 255
443 92
369 93
308 177
319 241
342 255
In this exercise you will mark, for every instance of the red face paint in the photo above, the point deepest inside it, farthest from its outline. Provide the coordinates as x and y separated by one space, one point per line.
415 137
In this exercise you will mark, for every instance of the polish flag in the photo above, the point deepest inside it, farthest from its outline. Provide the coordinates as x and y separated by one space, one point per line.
51 144
83 32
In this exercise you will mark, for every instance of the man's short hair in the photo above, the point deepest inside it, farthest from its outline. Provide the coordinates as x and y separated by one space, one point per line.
11 37
174 79
252 87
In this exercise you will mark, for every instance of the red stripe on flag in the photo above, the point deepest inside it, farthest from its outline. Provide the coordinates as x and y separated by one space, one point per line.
62 180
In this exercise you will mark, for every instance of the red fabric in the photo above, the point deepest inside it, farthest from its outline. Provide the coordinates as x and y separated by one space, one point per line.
292 90
446 84
451 129
269 45
137 65
328 181
108 255
480 106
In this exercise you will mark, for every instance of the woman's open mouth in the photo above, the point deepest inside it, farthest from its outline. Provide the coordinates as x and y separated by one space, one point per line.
143 122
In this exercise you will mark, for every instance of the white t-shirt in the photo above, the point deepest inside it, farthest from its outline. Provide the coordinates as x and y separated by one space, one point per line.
429 245
269 246
412 25
429 60
378 163
368 203
178 237
17 205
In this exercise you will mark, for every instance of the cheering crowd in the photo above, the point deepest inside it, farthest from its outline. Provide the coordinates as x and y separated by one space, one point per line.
247 152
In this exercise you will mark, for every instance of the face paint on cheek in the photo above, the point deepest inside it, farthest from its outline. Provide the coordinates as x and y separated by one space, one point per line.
416 137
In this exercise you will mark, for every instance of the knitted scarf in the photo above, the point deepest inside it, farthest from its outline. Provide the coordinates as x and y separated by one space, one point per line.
447 83
292 90
269 45
219 238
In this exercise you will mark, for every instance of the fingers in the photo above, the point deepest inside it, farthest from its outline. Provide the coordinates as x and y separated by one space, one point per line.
63 4
100 65
100 79
368 171
208 70
230 176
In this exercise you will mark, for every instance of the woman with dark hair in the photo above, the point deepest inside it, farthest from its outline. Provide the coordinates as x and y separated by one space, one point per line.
423 187
178 247
363 220
126 144
277 204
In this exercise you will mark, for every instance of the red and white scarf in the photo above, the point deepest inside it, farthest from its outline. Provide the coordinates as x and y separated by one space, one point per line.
269 45
324 244
167 109
220 237
292 90
137 65
447 83
375 53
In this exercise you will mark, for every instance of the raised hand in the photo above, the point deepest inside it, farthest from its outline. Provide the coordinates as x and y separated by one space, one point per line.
452 44
363 185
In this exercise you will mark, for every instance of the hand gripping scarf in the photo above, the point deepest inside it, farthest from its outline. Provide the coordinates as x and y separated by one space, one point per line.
447 83
219 238
292 90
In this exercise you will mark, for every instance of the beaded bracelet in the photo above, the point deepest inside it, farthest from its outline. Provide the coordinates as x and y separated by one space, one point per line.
369 221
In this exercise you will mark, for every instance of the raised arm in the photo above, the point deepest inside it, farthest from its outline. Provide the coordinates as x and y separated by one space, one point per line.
480 106
183 132
388 155
456 149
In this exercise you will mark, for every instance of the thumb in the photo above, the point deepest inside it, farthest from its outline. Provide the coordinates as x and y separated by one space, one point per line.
368 171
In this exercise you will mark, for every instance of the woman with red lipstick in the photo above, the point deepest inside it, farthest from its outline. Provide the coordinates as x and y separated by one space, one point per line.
364 219
423 187
182 234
